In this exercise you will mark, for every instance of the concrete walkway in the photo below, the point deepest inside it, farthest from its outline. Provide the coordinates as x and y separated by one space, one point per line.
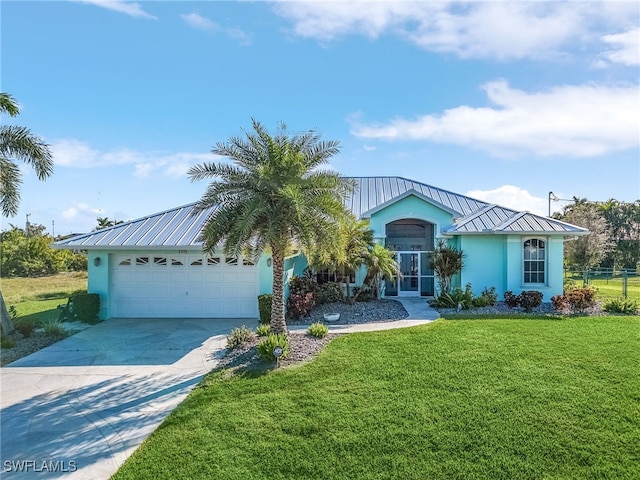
79 408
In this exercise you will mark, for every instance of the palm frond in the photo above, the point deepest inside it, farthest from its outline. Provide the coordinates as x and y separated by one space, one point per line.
10 180
19 143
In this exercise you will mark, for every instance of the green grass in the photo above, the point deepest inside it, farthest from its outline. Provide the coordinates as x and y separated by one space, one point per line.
609 287
508 398
37 299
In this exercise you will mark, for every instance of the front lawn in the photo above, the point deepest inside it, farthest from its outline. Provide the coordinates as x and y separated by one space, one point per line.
508 398
36 298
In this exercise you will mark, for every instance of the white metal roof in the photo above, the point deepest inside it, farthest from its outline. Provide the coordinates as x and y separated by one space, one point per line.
181 226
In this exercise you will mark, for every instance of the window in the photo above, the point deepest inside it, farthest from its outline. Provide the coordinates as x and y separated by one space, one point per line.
160 260
197 263
142 260
535 259
213 261
231 261
125 262
325 276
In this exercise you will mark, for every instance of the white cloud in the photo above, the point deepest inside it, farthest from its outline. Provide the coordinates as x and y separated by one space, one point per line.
573 121
626 47
132 9
513 197
195 20
480 29
77 154
79 209
199 22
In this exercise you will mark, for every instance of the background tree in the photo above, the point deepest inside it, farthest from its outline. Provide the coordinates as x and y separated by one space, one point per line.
623 221
105 222
18 143
587 251
446 261
29 254
273 194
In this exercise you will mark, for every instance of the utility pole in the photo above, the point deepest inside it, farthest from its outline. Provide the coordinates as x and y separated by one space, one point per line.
53 229
26 226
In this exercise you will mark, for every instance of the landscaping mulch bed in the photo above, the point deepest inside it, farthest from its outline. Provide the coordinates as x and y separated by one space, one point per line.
26 346
302 347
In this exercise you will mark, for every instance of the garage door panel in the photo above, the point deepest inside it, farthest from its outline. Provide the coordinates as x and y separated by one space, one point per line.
183 286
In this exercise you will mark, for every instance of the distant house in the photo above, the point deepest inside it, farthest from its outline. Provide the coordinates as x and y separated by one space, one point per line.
154 266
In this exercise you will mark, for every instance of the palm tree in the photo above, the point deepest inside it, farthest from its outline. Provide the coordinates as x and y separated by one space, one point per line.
18 143
381 265
347 250
271 196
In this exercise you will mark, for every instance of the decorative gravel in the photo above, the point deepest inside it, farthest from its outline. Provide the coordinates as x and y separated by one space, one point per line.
26 346
360 312
302 347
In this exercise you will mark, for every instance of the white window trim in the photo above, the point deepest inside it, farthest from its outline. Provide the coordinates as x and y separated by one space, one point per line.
546 262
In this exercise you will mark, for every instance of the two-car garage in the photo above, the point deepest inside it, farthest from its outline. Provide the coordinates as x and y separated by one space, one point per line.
184 285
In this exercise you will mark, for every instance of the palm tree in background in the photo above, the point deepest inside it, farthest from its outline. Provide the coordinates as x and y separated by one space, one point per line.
271 196
18 143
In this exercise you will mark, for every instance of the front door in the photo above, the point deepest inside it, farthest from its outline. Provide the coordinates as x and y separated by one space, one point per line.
417 278
410 269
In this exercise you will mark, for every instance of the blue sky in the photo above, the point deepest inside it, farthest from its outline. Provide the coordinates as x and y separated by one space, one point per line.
503 101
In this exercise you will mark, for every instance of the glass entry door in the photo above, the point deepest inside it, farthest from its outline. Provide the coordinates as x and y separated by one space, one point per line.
410 269
417 278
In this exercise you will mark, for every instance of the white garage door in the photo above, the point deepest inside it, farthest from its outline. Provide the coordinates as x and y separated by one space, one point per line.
188 286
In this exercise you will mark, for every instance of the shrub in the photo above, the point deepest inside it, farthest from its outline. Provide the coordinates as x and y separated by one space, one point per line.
54 328
265 348
300 305
318 330
263 330
25 327
511 300
303 285
264 307
238 336
621 305
86 306
580 299
458 298
490 295
560 303
330 292
530 299
576 300
7 342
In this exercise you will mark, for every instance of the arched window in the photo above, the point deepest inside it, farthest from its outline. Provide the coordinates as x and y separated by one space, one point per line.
535 261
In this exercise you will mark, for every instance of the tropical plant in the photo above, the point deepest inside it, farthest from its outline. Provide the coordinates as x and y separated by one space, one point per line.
621 305
238 336
381 265
263 330
346 250
446 261
18 143
54 328
266 347
271 196
318 330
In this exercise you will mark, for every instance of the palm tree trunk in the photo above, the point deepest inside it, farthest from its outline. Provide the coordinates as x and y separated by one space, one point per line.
5 320
278 324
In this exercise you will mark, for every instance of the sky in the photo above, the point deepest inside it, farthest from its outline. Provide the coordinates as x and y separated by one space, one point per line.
502 101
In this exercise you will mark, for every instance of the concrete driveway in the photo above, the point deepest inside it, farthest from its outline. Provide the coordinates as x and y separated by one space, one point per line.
79 408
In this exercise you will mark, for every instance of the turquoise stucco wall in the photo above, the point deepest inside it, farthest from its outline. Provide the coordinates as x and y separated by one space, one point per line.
484 262
498 261
99 280
514 271
409 207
